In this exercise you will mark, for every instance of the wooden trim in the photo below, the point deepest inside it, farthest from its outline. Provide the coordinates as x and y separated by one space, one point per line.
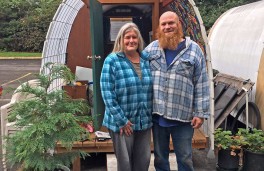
259 99
166 2
76 166
120 19
155 18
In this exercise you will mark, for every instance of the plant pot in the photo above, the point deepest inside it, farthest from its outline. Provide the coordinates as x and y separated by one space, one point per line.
226 161
253 161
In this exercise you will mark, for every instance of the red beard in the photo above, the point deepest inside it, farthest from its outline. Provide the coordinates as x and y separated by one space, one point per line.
170 41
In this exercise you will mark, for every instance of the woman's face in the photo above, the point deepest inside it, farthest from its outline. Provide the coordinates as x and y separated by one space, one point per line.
130 41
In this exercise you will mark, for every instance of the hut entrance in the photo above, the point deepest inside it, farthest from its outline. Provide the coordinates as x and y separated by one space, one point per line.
106 18
116 13
94 30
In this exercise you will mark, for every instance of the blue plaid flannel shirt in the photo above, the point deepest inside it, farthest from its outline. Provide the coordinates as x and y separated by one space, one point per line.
180 90
126 96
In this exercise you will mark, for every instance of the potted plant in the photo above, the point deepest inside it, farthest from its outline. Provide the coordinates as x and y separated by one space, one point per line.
253 145
229 148
45 119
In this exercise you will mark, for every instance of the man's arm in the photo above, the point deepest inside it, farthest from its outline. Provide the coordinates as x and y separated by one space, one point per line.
151 51
201 89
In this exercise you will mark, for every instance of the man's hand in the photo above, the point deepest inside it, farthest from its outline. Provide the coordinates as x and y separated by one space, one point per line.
127 129
197 122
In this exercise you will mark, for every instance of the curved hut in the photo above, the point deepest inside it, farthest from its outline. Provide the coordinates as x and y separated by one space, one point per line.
81 34
236 43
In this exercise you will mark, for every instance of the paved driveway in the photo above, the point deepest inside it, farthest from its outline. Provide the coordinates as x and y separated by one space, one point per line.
14 72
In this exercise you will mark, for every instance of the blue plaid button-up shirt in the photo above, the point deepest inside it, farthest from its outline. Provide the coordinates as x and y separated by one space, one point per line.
181 90
126 96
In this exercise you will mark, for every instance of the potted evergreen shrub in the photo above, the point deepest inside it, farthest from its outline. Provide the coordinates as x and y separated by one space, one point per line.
253 145
46 119
229 148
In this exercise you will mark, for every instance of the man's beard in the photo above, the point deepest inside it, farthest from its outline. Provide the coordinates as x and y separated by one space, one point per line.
169 41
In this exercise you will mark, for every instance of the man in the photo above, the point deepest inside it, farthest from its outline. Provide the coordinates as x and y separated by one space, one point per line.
181 92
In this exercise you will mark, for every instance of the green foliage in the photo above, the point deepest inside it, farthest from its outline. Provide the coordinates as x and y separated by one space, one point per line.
19 54
24 23
225 140
211 10
253 139
46 119
250 139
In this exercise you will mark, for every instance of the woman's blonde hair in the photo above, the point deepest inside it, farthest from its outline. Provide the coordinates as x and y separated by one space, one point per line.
119 42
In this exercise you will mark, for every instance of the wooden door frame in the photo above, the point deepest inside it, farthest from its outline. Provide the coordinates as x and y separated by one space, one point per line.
155 8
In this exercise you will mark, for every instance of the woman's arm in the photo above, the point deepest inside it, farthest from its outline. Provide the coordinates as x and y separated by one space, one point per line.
107 83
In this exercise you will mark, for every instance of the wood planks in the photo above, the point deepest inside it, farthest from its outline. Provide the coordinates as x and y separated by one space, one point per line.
94 146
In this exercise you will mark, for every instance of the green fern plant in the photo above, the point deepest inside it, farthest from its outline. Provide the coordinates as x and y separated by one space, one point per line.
46 119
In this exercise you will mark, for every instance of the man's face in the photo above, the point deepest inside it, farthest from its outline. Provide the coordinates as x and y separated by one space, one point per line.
168 24
170 32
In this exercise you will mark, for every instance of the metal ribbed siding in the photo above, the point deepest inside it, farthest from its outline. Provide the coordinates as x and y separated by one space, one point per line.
55 45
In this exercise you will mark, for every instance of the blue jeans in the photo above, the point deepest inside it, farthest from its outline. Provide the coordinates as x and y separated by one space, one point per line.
182 142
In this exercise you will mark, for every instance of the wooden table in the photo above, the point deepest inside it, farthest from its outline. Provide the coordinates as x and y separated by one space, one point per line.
95 146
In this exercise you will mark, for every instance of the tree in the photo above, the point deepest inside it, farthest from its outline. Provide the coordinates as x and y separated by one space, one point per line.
24 24
211 10
46 118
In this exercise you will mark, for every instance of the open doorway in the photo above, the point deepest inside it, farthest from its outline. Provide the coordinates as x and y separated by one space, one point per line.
115 16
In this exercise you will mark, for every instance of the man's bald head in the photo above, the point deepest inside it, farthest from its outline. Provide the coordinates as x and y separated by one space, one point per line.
169 14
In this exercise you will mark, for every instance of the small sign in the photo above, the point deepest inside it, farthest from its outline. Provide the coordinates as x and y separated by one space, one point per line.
116 24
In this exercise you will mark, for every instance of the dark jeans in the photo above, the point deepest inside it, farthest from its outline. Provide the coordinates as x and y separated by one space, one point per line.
182 142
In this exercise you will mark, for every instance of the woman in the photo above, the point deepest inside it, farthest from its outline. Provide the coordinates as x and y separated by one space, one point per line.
126 87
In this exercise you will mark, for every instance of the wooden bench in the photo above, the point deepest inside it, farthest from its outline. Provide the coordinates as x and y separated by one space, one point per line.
106 146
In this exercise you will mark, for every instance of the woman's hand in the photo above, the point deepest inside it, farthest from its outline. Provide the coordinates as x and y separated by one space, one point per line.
127 129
